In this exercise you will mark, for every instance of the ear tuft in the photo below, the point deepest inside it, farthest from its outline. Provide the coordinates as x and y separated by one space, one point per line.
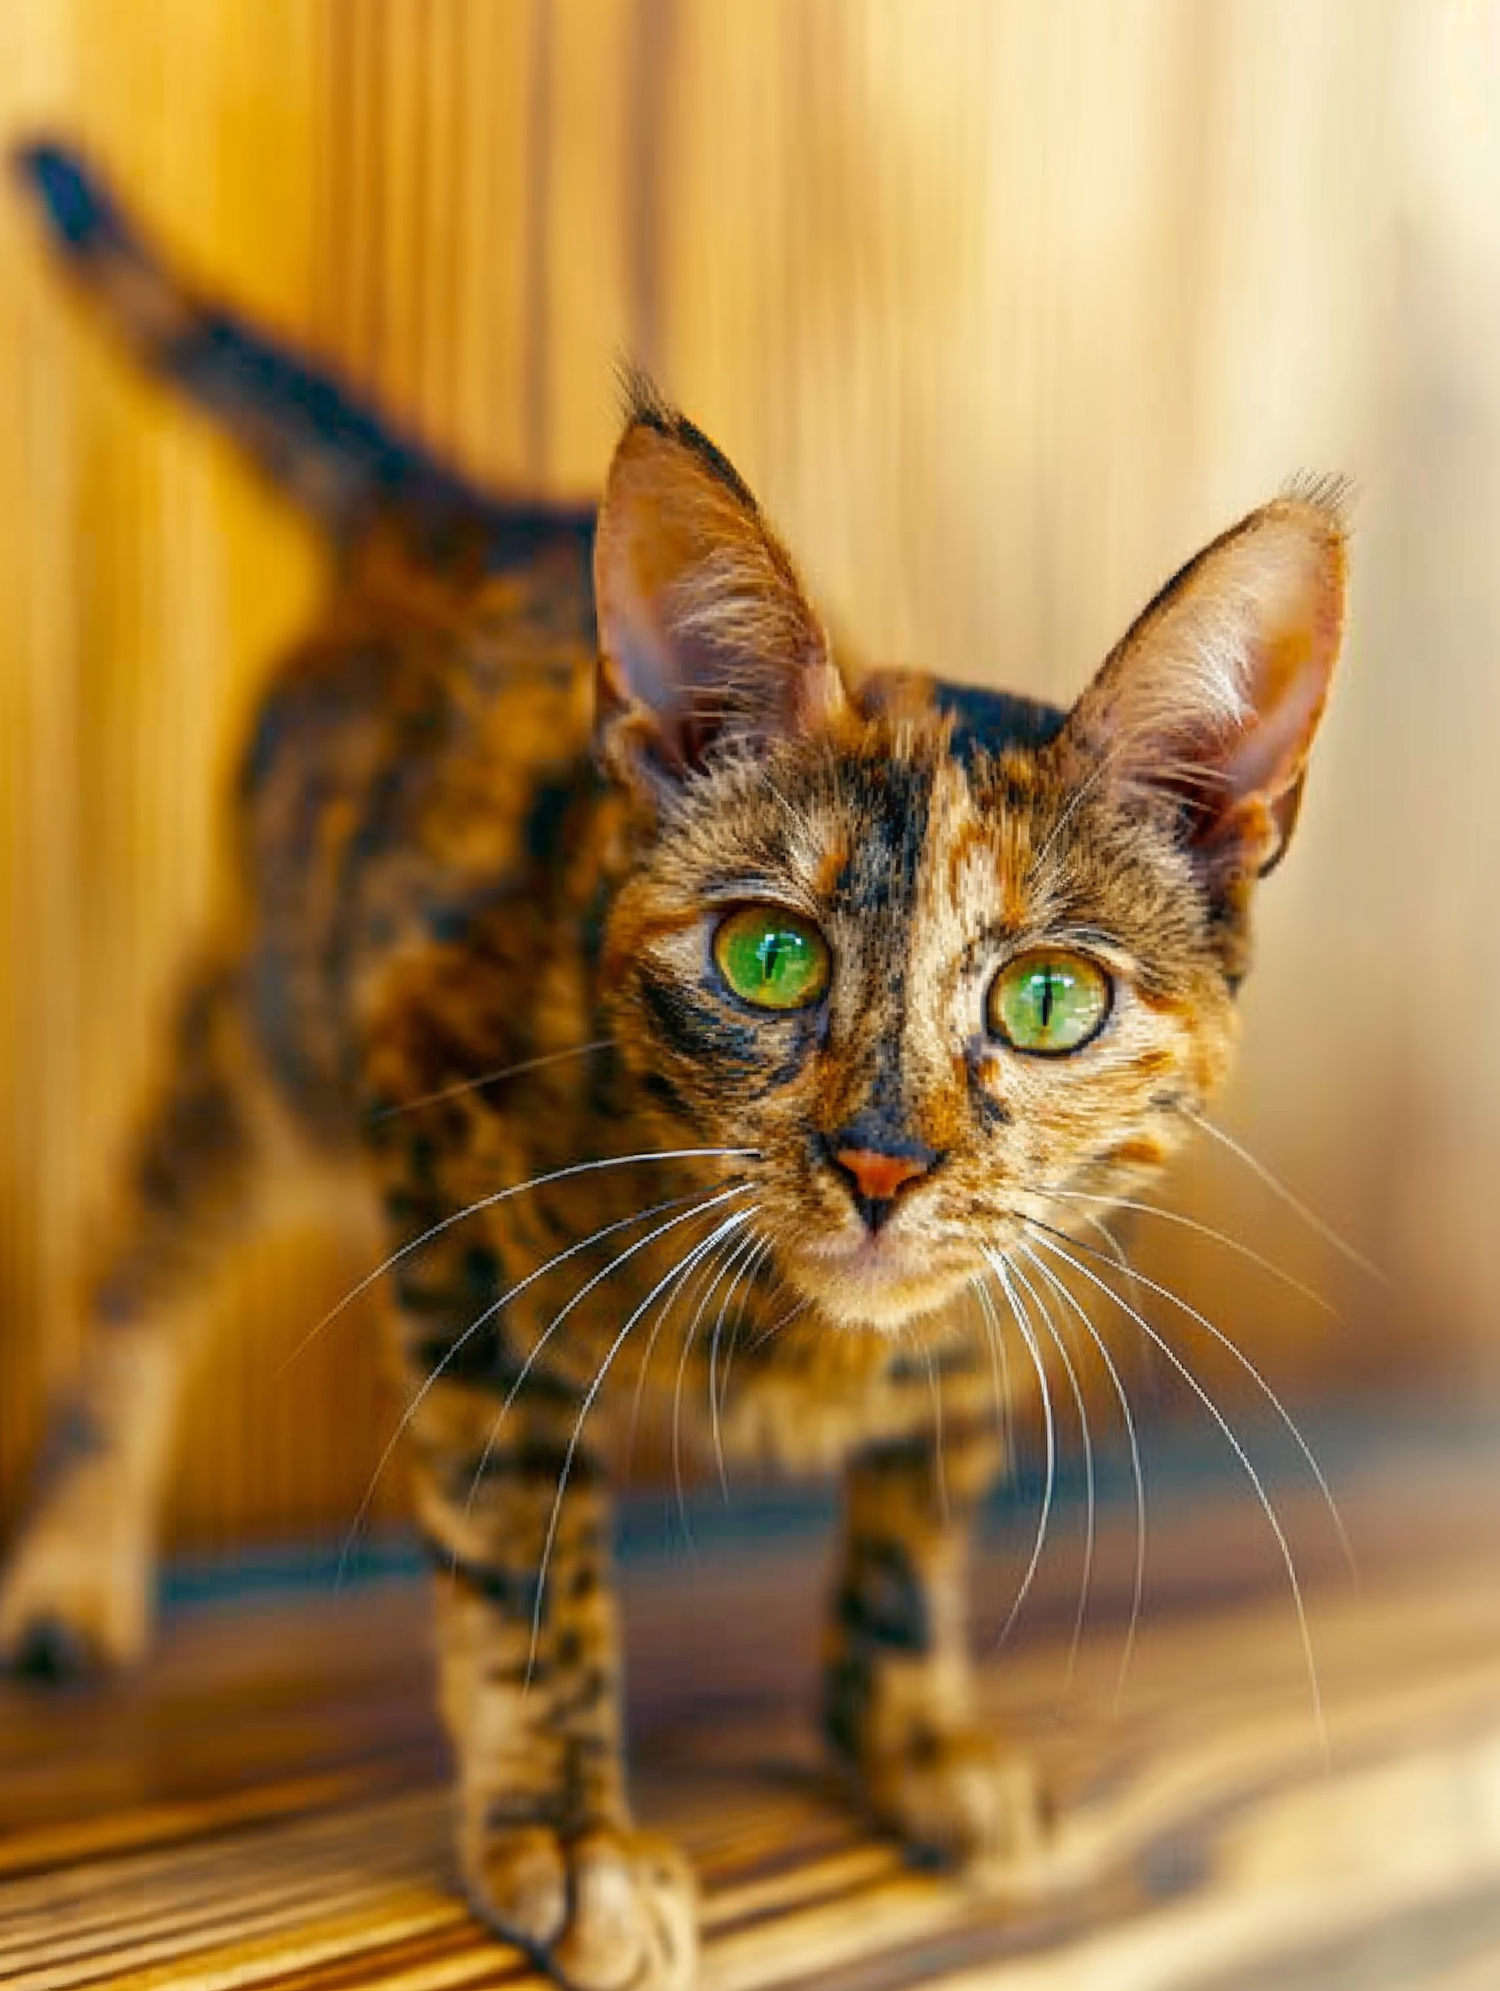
706 635
1212 701
1331 492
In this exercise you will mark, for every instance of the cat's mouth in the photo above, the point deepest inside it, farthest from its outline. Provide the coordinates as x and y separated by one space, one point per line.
877 1279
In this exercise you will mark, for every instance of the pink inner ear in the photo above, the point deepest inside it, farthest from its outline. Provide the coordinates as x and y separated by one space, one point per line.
704 629
1288 687
636 643
1216 693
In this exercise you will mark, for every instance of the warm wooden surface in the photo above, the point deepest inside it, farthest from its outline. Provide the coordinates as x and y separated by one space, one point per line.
1003 306
264 1808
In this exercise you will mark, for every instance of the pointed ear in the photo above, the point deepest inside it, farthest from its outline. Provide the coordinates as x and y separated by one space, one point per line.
705 634
1210 704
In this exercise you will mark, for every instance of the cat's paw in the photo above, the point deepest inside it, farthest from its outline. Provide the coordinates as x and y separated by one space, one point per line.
74 1606
607 1911
966 1801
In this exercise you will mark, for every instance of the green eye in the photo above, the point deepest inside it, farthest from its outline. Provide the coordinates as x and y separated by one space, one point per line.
1049 1002
771 957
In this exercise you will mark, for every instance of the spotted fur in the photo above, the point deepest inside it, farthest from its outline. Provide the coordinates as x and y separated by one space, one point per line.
489 815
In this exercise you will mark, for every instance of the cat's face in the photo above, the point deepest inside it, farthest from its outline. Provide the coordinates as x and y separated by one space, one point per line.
945 972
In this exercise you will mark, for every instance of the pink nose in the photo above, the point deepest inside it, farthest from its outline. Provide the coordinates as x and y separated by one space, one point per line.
878 1176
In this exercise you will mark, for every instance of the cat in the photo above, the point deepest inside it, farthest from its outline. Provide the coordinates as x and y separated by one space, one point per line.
678 990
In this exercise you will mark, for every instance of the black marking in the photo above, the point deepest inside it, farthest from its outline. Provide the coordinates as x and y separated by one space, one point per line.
470 1346
909 1453
451 922
299 410
700 1030
812 1031
77 207
464 1353
660 1089
531 1461
893 800
584 1693
990 721
51 1650
546 820
882 1598
515 1593
646 407
846 1704
201 1127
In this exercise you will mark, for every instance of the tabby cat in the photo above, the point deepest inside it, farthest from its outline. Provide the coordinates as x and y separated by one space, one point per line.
822 1001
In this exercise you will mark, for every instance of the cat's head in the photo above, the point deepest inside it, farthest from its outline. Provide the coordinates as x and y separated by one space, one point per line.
936 957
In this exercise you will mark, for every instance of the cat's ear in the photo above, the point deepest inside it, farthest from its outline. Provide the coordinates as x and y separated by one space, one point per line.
1211 702
705 633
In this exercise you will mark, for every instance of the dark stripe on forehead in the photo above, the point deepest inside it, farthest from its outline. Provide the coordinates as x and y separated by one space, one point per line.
991 721
890 803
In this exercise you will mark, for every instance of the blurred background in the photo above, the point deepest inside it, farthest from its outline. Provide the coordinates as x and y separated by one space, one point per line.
1004 309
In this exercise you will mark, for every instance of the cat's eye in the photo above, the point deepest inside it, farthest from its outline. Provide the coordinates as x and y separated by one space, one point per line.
1050 1001
772 958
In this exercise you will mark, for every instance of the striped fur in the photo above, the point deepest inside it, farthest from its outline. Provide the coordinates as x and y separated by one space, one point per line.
489 814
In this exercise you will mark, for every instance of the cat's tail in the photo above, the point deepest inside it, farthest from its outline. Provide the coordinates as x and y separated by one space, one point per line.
327 449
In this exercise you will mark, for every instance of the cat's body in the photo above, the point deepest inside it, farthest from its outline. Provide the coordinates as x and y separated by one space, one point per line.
583 815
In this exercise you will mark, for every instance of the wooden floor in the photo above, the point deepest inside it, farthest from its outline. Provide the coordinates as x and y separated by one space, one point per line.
265 1806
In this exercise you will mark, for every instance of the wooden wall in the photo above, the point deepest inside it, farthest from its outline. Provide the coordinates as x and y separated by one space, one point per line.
1003 307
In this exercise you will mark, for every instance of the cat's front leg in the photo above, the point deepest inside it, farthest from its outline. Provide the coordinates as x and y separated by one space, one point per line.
529 1670
898 1689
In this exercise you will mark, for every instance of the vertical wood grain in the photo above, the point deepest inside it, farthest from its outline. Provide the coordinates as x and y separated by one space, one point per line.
1003 308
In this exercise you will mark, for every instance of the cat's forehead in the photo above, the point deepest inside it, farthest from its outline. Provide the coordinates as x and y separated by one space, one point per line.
899 814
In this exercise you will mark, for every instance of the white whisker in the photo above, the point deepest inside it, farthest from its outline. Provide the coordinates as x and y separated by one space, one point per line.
1101 768
1293 1202
752 1272
999 1372
747 1258
489 1203
1090 1504
793 1312
704 1301
591 1285
1229 1243
1047 1244
451 1353
663 1313
463 1085
730 1223
1001 1269
1000 1354
935 1385
1224 1341
1139 1588
1117 1252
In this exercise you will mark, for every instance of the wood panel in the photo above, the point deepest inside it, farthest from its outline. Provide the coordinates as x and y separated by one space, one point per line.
265 1807
1003 308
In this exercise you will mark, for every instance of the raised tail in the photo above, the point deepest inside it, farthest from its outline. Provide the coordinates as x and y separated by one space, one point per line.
313 438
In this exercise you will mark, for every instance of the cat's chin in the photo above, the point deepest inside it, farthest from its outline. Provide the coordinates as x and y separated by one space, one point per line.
874 1282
